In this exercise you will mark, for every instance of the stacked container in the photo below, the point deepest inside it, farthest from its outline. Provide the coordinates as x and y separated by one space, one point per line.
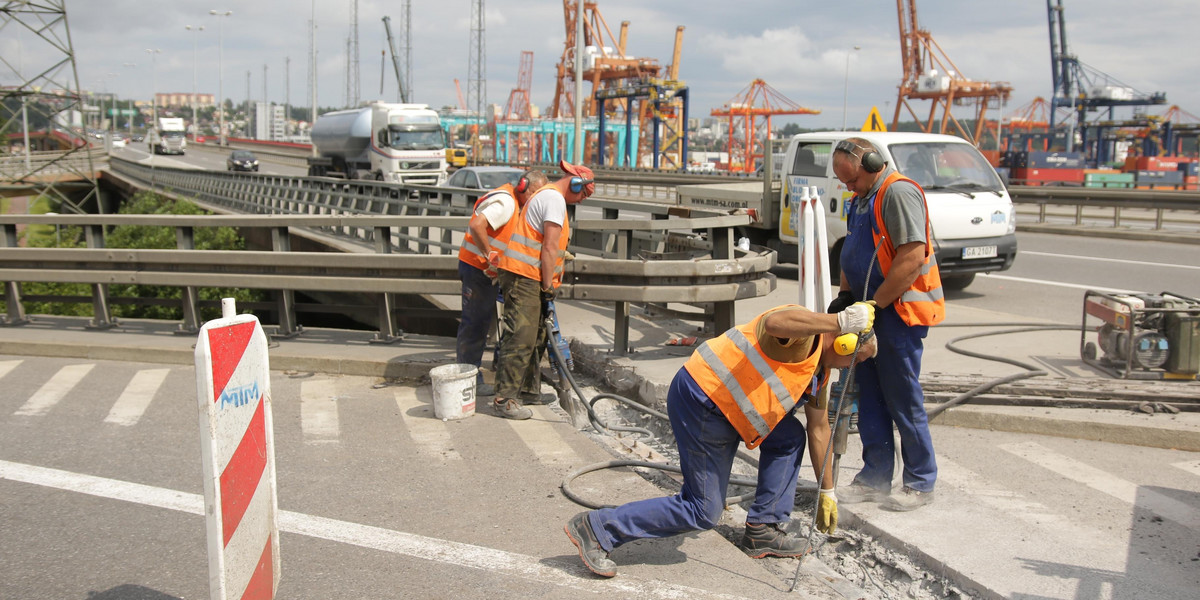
1046 168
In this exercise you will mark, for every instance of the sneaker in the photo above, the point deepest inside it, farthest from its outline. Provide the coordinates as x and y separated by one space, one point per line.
579 531
483 390
769 539
907 499
536 398
857 493
511 409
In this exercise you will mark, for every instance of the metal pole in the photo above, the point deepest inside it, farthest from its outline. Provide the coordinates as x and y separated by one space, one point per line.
220 73
846 86
313 65
195 63
577 157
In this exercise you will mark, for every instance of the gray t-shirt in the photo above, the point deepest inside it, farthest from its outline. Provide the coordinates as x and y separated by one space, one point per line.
546 205
903 211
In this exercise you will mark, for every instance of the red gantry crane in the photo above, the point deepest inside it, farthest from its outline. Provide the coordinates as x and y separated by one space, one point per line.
930 75
749 116
518 109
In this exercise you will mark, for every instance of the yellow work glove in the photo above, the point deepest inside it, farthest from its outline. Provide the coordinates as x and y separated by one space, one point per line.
827 512
857 317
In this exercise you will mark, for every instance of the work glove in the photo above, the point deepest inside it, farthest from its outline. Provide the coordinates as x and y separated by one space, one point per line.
547 298
843 300
827 512
493 268
857 317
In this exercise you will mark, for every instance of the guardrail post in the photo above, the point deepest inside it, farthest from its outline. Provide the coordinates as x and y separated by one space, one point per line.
280 242
387 320
621 328
185 239
12 289
101 317
722 243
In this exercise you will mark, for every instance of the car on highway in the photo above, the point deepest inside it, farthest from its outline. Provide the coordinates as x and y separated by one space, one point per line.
483 177
118 141
241 160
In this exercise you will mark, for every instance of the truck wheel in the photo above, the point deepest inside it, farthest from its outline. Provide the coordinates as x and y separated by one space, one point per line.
957 282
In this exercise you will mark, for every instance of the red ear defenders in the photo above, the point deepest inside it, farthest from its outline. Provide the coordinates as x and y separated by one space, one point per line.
870 160
577 184
522 185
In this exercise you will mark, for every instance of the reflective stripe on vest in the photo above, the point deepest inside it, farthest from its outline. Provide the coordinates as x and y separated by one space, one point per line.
754 392
523 255
924 302
470 252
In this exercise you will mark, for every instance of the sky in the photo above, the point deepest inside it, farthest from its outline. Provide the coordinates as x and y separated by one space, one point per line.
802 48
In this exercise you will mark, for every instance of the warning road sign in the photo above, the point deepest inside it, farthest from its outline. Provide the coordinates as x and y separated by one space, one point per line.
874 122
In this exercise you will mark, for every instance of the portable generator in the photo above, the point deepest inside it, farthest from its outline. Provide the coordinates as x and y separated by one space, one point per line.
1141 336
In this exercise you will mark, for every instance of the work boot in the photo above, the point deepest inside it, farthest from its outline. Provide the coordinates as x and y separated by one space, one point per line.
769 539
579 531
511 409
484 390
857 493
536 398
907 499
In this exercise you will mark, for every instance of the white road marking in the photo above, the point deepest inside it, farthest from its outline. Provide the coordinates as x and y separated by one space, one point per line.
567 574
1115 260
1191 466
319 412
539 435
1125 491
136 398
54 390
430 434
7 366
1077 286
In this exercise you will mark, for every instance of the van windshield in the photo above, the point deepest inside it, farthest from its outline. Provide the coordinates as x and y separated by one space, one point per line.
946 165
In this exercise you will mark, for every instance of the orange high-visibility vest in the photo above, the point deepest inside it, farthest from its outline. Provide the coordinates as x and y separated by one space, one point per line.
924 302
470 252
753 391
523 253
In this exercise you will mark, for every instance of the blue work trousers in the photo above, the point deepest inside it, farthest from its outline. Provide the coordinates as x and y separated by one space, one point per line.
479 293
707 444
889 393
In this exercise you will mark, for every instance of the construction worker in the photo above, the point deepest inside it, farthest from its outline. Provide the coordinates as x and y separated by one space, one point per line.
491 223
531 269
743 385
888 233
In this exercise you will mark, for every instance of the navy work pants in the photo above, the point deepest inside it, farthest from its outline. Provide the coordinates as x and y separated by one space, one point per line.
479 293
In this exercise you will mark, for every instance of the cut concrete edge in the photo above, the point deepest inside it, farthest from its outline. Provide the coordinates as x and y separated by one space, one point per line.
1130 435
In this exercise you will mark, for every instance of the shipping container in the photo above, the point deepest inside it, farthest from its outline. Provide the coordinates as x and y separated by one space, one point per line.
1190 169
1108 179
1027 176
1159 179
1155 163
1048 160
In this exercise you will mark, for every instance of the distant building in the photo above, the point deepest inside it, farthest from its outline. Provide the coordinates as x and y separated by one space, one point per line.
270 123
178 100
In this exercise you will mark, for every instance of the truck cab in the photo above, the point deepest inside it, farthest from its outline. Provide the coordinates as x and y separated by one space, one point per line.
169 136
970 211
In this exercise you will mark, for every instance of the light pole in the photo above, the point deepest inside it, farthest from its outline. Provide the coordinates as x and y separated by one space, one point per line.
220 73
195 121
154 52
130 121
846 86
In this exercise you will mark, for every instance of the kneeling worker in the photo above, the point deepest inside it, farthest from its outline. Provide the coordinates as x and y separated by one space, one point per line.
742 385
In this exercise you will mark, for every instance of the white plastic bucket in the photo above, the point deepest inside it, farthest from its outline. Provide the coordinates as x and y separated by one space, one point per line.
453 390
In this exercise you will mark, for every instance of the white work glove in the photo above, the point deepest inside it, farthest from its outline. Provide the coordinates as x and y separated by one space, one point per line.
827 516
857 317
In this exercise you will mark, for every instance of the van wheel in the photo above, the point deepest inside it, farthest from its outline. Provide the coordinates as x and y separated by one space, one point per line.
957 282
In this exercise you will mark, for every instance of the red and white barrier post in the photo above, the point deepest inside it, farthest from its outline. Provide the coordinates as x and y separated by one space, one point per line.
233 385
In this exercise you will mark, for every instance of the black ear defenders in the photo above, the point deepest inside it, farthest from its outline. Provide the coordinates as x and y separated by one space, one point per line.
577 184
522 185
870 160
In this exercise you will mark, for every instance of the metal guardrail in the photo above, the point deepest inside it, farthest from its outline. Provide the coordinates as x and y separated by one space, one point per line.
1160 203
720 280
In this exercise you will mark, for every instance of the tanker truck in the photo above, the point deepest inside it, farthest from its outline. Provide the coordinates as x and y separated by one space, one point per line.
397 143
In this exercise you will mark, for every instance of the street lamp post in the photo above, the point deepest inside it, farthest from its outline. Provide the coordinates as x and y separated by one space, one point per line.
220 73
846 86
154 52
195 121
130 121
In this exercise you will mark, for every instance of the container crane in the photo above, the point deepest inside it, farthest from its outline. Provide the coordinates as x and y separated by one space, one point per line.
387 27
518 109
1084 89
752 106
929 74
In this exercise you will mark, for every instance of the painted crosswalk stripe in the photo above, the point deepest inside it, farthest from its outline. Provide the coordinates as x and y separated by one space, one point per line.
319 412
136 398
540 436
1126 491
430 434
1191 466
567 573
54 390
7 366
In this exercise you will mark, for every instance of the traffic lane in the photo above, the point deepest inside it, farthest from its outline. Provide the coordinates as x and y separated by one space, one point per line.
209 159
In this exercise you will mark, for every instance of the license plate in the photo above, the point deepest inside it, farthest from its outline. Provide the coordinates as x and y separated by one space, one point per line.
979 252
